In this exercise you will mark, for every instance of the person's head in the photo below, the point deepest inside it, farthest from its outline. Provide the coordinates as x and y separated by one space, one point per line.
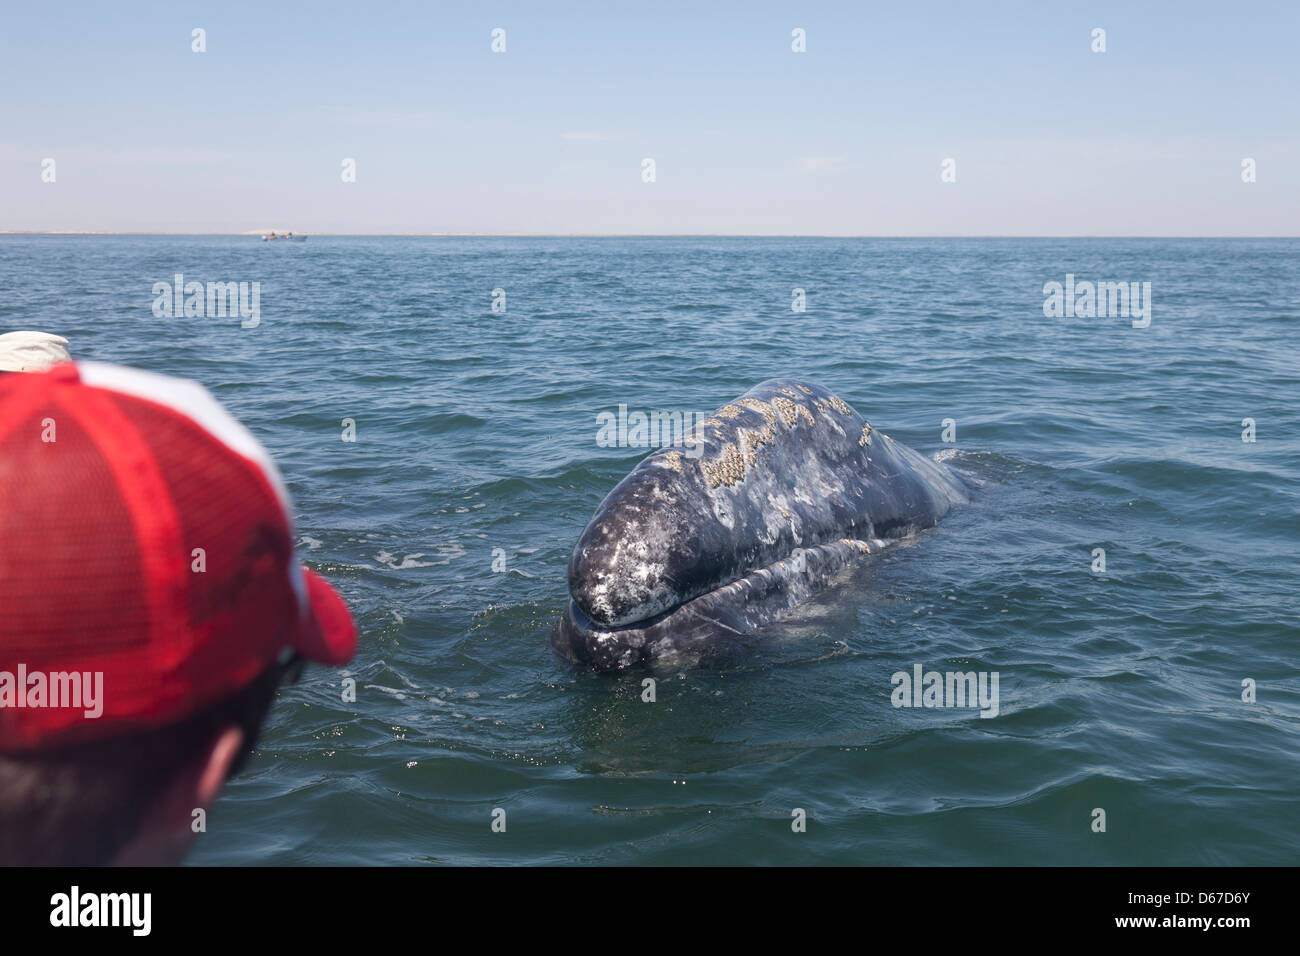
32 351
150 605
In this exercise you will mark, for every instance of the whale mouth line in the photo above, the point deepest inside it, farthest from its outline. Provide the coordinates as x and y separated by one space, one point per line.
815 560
731 611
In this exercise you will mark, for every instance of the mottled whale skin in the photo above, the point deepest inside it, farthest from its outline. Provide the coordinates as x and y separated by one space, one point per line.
687 554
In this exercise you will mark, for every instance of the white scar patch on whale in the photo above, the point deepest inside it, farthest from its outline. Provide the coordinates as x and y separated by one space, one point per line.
777 519
721 499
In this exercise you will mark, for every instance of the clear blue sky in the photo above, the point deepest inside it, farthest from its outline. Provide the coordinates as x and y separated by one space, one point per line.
748 137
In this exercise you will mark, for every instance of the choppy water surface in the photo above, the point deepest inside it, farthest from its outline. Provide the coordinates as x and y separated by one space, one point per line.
476 431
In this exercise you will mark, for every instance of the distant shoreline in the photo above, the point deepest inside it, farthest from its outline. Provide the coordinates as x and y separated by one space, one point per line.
597 235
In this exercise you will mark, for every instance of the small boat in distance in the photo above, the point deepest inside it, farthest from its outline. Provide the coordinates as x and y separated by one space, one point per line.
286 236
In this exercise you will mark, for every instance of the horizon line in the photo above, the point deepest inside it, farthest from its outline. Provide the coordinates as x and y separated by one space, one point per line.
633 235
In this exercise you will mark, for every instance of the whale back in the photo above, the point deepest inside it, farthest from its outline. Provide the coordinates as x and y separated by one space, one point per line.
787 465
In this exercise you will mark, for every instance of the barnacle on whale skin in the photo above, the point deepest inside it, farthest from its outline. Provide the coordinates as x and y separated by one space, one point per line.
763 408
786 409
727 470
792 411
754 438
837 403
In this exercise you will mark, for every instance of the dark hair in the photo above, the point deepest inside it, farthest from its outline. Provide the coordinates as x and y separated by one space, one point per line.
80 805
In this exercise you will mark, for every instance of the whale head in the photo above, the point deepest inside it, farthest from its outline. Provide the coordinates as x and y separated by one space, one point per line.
624 567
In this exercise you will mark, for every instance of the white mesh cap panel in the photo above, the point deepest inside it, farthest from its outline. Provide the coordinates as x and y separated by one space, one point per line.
196 403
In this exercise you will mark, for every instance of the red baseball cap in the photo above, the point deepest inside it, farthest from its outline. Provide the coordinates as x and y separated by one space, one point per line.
145 537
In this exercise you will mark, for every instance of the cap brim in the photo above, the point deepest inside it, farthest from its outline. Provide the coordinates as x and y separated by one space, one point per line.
329 635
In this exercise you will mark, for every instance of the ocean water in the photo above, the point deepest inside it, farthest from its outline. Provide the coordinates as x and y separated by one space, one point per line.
476 440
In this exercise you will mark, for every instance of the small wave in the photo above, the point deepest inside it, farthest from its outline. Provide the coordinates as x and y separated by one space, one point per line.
410 561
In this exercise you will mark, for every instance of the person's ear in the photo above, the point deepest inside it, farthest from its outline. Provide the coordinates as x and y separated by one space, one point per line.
215 770
167 825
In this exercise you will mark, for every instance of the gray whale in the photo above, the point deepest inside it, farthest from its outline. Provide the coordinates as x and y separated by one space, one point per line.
688 555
